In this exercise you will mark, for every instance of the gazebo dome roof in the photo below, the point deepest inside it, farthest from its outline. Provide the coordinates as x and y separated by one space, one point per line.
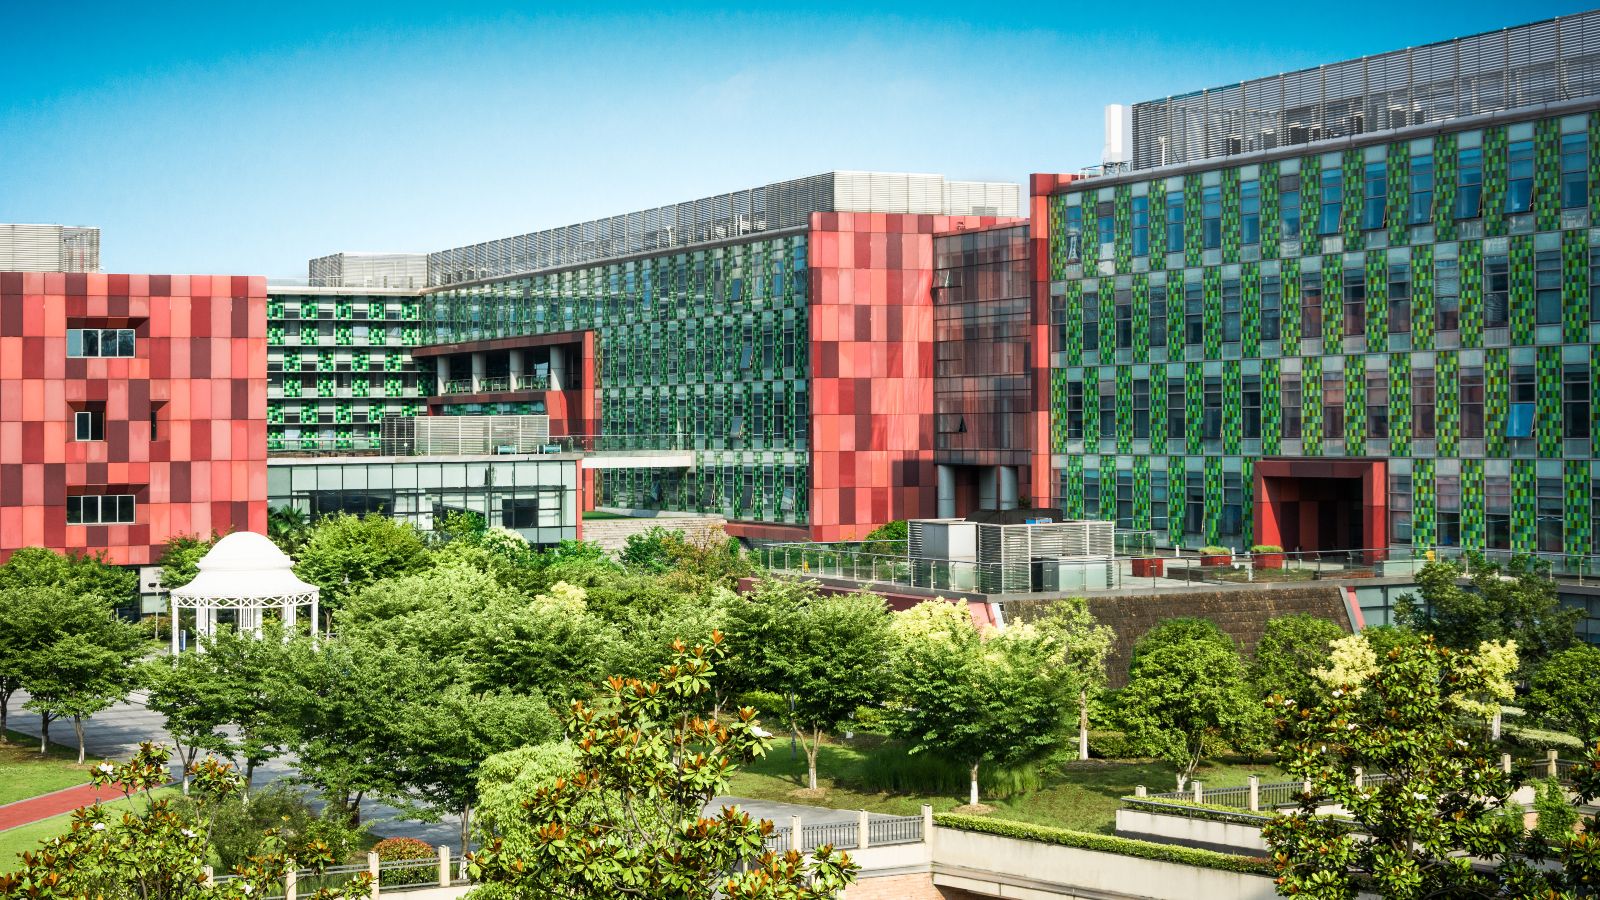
244 566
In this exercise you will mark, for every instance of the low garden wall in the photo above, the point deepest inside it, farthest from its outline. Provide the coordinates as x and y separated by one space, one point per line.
1202 829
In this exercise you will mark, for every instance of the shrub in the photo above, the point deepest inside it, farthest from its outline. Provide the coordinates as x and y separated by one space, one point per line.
1539 739
770 704
1102 843
241 830
894 769
1556 813
1266 548
1110 744
1213 550
398 849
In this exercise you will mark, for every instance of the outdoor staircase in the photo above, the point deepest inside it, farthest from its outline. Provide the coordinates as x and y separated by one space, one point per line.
612 534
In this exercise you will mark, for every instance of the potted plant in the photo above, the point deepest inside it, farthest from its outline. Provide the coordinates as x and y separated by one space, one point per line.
1215 556
1148 567
1267 556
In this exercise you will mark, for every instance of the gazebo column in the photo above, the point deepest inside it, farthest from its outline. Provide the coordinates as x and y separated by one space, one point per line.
291 611
314 619
174 628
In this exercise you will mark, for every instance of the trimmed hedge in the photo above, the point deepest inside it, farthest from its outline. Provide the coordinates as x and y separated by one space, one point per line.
404 848
1191 810
1205 859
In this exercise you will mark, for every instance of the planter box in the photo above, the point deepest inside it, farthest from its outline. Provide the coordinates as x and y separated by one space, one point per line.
1214 561
1148 568
1269 560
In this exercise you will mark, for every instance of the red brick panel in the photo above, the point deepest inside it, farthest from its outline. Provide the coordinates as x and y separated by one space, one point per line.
200 367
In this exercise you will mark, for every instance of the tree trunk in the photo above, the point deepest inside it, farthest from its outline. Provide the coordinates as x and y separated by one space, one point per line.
1083 723
44 733
972 794
1494 724
466 826
5 714
811 757
77 728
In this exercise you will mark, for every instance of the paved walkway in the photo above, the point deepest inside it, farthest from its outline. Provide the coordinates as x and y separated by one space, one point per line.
24 812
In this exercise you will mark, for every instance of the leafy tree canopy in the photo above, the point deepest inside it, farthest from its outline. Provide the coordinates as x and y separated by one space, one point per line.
1515 601
1289 649
1565 692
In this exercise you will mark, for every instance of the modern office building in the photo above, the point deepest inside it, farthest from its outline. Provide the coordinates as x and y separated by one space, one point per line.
338 361
132 409
1351 306
49 248
784 333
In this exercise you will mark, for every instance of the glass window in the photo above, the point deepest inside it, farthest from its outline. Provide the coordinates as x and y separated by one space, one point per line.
1496 290
1519 418
1271 307
1547 286
1289 206
1175 412
1375 191
1420 208
1291 404
1194 505
89 425
1333 405
1594 283
1193 313
1550 514
1232 506
1091 322
1123 311
1251 407
1230 310
1355 303
1447 294
1447 498
1124 499
1519 176
100 342
1141 226
1211 410
1091 493
1158 316
1174 221
1575 389
1574 171
1158 501
1211 218
94 509
1400 509
1106 228
1141 409
1469 182
1471 402
1377 404
1074 410
1497 511
1332 200
1311 304
1074 235
1108 412
1250 212
1399 298
1422 404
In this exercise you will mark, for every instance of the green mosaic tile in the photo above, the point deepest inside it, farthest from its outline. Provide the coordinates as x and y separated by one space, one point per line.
1472 293
1594 168
1472 530
1250 310
1355 405
1232 408
1522 312
1269 210
1377 301
1124 378
1141 316
1058 410
274 413
1141 493
1311 405
1158 220
1089 247
1424 504
1194 397
1158 410
1291 305
1547 174
1271 407
1447 410
1230 216
1248 521
1175 500
1423 310
1547 386
360 386
1350 214
1192 223
1575 286
1577 539
1108 488
1058 237
1175 314
1494 180
1310 178
1399 404
1214 497
1072 343
1497 399
1074 487
1398 171
1212 286
1594 398
1332 306
1123 218
1524 536
1445 169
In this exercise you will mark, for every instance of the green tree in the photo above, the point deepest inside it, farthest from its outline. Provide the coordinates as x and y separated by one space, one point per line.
157 848
654 550
826 655
507 780
180 560
288 527
1515 601
245 674
1556 813
1085 644
1438 825
1179 631
85 665
28 622
631 820
1184 693
36 567
1565 692
993 697
185 693
1289 649
345 554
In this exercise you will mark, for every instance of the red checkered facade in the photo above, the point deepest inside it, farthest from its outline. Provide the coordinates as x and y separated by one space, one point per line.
197 379
872 368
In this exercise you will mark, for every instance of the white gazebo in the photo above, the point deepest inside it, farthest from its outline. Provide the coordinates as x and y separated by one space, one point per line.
247 573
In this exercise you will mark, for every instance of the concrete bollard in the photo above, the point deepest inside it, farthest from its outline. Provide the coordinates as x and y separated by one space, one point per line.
796 834
291 882
372 869
1255 793
1550 763
1505 763
1199 791
863 829
927 823
444 866
1139 791
1359 778
1305 786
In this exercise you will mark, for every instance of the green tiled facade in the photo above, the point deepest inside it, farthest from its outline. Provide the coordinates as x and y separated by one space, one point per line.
1434 303
711 343
337 363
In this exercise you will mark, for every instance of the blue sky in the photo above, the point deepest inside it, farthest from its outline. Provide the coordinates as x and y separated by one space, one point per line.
249 137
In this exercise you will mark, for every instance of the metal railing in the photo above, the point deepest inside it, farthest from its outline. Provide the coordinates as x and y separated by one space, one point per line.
613 443
882 831
459 386
898 830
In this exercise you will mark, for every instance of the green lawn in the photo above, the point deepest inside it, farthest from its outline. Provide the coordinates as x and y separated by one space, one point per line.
14 841
24 773
1078 796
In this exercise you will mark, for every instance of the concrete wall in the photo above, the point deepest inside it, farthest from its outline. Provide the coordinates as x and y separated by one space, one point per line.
1240 613
1223 837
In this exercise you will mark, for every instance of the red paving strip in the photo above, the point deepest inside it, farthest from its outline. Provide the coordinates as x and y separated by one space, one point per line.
33 809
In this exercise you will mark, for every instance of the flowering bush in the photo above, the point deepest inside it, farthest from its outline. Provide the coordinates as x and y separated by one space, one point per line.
397 849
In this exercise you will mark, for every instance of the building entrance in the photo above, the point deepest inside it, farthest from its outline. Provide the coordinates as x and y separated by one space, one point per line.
1321 505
